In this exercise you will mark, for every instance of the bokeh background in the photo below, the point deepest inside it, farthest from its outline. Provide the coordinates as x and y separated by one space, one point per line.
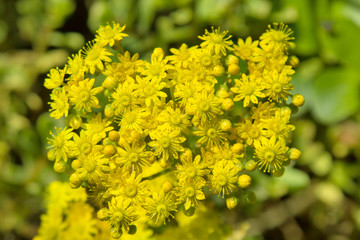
317 198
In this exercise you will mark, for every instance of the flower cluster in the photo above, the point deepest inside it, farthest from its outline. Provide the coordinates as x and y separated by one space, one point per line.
146 138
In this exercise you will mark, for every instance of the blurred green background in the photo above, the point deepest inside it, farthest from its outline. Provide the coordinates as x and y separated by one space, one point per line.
316 198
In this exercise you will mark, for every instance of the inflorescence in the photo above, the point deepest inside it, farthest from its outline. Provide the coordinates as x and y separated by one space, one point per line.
147 138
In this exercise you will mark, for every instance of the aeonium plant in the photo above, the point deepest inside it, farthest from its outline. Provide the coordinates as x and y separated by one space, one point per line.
147 138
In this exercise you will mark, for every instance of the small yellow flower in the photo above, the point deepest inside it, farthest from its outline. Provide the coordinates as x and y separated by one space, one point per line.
133 157
160 205
271 153
60 105
55 78
245 49
83 95
166 142
110 35
60 144
248 89
224 177
216 41
94 55
277 36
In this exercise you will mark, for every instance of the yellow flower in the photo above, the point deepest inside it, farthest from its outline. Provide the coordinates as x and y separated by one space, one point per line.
60 144
224 177
93 55
191 171
121 213
251 131
150 90
133 157
160 205
264 110
124 98
277 36
93 168
248 89
55 78
216 41
156 70
110 35
278 125
182 57
133 120
98 126
210 133
245 49
271 153
206 59
60 105
83 95
277 86
205 106
85 143
76 68
166 142
190 193
133 188
175 118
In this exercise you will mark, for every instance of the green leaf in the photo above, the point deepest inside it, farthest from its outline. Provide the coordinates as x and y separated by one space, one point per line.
336 95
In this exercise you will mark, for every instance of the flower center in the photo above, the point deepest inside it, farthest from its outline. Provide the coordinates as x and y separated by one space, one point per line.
269 156
85 148
277 87
204 106
222 180
131 191
254 133
130 117
84 96
58 142
165 142
189 192
149 90
119 216
175 119
211 133
191 171
206 61
133 157
124 100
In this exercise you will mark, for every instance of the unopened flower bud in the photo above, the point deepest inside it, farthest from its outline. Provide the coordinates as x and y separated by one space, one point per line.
114 136
75 122
109 82
225 125
109 150
102 214
108 111
75 180
298 100
75 164
238 148
250 165
167 186
231 59
60 166
218 71
294 153
227 104
234 69
244 181
232 202
293 61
